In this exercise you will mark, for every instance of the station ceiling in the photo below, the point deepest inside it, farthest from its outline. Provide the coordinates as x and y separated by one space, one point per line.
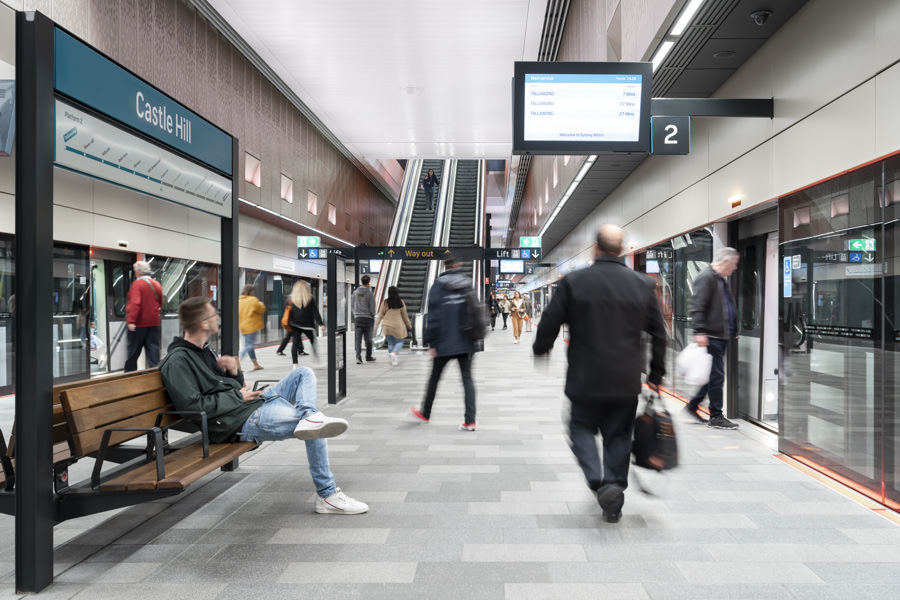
402 79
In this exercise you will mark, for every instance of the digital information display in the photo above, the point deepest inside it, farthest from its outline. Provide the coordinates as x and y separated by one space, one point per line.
582 107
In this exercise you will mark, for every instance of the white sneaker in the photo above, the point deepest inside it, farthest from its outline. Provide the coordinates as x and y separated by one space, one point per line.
316 425
394 360
340 503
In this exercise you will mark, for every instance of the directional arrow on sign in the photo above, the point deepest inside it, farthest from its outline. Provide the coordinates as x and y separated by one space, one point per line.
391 253
535 253
301 253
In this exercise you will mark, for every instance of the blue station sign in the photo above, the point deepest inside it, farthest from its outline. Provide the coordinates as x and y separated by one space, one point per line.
87 76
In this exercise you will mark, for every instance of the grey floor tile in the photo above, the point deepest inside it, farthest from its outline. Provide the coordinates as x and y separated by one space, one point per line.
500 514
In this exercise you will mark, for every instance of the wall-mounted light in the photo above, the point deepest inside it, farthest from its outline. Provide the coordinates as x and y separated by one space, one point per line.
736 200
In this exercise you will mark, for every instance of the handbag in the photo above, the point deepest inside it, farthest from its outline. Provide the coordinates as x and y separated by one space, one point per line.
654 445
694 364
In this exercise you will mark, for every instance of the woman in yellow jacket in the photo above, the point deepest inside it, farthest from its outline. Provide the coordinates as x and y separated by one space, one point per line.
250 320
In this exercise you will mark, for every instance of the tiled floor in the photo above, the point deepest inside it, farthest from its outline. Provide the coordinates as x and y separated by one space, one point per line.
501 513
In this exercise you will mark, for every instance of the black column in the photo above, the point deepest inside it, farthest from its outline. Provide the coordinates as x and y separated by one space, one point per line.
34 291
228 285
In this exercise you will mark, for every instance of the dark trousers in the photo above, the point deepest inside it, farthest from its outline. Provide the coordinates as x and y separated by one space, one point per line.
505 316
139 339
493 319
614 420
288 336
297 346
465 367
429 197
364 330
716 379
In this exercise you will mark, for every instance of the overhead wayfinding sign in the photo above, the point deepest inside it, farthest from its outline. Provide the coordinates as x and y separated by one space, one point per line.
517 253
308 241
530 242
90 145
419 252
90 78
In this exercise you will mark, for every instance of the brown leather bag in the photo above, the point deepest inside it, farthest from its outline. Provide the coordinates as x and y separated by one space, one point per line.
284 317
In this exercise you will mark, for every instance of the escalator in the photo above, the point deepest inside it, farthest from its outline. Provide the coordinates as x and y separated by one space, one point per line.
464 219
412 279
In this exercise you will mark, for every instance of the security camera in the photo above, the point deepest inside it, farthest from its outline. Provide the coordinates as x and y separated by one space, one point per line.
761 16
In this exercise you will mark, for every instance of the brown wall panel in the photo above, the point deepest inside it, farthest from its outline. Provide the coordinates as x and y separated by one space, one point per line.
167 43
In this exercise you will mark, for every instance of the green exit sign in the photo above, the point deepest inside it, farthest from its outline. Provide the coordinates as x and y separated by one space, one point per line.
308 241
529 242
865 245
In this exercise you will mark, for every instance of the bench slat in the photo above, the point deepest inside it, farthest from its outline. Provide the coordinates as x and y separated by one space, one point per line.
110 391
88 442
110 414
183 467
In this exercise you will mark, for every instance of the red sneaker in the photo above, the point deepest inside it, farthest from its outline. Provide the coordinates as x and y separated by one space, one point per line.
467 427
415 412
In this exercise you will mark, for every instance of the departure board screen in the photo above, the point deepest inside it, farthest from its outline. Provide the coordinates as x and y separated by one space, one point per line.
581 108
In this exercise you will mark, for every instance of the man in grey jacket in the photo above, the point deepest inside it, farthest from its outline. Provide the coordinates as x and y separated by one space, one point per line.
363 308
715 322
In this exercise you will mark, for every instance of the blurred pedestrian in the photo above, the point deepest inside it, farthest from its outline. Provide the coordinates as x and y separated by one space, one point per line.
607 307
430 184
363 318
143 316
396 324
503 305
444 334
250 321
517 312
304 319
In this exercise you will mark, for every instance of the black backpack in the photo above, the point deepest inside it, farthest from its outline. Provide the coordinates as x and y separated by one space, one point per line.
654 445
474 323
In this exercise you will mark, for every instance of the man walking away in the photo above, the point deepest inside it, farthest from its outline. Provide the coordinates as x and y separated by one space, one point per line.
363 309
715 322
607 306
445 334
142 314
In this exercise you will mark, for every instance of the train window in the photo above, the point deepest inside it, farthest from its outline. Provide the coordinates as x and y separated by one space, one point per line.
119 276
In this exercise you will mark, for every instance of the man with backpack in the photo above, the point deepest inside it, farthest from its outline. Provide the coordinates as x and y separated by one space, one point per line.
607 306
454 328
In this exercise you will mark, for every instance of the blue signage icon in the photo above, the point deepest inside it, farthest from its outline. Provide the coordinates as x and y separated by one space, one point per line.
314 253
787 279
526 253
856 257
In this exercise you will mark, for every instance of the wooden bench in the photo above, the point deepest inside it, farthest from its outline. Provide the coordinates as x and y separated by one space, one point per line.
98 420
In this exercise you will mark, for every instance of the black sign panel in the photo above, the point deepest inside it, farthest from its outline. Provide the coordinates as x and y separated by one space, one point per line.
322 253
419 252
514 253
670 135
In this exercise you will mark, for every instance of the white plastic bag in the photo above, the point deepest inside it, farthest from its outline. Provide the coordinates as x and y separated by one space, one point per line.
694 364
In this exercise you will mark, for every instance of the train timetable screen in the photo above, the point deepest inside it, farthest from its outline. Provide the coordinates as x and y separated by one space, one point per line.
580 107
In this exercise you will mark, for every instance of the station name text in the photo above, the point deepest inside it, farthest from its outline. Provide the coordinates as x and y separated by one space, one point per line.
159 116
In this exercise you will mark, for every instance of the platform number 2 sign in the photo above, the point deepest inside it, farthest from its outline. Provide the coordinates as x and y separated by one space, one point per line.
670 135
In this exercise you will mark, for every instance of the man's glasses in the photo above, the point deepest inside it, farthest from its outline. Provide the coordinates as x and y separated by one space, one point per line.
216 315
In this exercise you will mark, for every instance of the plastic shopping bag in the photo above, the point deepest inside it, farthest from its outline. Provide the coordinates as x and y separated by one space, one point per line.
694 364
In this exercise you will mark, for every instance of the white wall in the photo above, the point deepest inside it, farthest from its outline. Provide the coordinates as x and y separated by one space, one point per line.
833 74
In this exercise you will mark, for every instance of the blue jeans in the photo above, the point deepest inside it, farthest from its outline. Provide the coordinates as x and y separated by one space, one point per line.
394 344
249 346
286 403
716 379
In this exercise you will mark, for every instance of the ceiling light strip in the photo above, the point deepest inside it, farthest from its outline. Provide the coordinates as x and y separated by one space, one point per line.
297 223
572 188
686 16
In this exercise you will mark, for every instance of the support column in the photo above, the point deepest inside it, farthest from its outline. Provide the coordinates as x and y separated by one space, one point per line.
228 335
35 509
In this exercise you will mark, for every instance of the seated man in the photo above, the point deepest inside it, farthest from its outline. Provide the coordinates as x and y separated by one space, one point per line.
196 379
